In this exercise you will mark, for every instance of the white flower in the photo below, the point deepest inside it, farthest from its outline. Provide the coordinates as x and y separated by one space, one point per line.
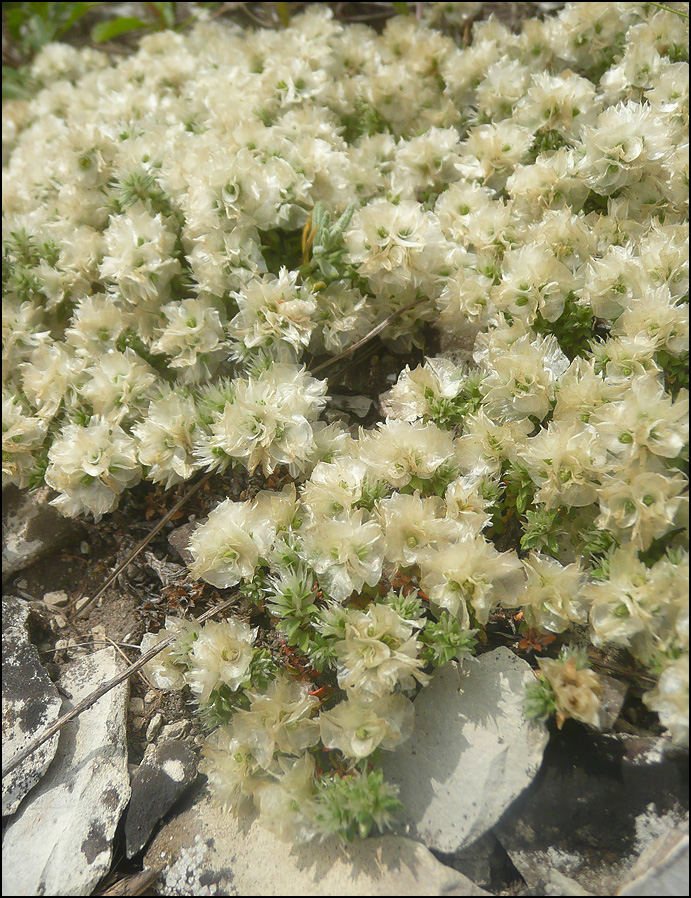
565 461
345 551
219 656
165 437
670 699
577 692
236 536
358 725
228 763
551 598
267 420
118 384
424 391
402 452
412 526
644 419
287 802
522 378
626 142
277 720
378 652
90 466
22 434
471 572
272 309
626 607
396 246
192 333
640 503
139 260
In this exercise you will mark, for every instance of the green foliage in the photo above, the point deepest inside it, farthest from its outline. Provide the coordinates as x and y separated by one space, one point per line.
675 369
324 237
573 329
445 639
352 805
540 700
541 531
365 120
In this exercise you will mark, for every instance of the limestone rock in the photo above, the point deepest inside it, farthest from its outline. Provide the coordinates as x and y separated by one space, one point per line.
662 869
30 704
31 527
597 803
471 754
207 851
60 840
166 771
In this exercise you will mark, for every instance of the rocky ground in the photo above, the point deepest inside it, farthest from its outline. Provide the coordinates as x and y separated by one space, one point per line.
114 805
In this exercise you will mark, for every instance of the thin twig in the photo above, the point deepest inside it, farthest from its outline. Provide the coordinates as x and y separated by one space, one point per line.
373 333
105 687
147 539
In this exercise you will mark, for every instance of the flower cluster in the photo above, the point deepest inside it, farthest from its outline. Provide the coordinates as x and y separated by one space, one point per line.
175 259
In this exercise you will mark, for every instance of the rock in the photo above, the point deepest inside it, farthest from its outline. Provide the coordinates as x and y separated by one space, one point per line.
179 540
30 704
177 730
662 869
56 599
597 803
472 751
613 697
60 841
486 863
207 851
31 527
166 771
154 727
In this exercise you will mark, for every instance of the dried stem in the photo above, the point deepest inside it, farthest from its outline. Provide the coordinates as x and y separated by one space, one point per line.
373 333
147 539
103 688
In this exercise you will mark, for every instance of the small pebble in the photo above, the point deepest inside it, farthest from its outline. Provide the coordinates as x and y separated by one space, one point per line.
60 622
84 547
137 723
154 727
81 603
137 706
21 584
56 599
150 697
177 730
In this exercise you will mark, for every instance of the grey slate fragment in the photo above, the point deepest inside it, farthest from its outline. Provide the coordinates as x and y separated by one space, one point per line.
166 771
597 803
31 527
662 869
30 704
472 752
179 540
60 840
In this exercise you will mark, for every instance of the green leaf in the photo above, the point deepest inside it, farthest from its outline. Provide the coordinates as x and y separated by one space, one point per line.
166 12
106 31
79 10
402 8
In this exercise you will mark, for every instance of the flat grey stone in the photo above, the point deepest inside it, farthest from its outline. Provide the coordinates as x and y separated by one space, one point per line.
662 869
60 840
30 704
471 754
31 527
207 851
179 540
166 771
598 802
